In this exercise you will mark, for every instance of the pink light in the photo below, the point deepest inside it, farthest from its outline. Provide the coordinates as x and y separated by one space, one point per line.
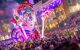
2 12
23 31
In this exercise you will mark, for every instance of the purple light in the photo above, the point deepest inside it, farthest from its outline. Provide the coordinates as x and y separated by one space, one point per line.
23 31
31 1
53 5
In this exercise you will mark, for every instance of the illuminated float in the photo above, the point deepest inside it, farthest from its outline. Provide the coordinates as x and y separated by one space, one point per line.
24 23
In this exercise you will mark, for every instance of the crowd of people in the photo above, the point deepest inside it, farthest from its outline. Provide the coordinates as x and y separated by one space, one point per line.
54 43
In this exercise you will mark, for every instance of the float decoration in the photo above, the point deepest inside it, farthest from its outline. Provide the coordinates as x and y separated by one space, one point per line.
24 21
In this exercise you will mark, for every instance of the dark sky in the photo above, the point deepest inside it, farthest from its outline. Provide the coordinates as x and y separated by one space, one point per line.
6 9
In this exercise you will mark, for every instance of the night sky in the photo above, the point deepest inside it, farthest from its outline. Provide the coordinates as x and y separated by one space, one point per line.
6 7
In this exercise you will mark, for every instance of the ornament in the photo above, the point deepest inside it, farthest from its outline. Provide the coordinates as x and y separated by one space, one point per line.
17 17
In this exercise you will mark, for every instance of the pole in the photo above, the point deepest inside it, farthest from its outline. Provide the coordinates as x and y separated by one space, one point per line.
42 27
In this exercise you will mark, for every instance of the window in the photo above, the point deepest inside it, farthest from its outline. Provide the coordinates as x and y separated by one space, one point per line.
78 1
43 1
36 1
19 1
69 2
59 13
